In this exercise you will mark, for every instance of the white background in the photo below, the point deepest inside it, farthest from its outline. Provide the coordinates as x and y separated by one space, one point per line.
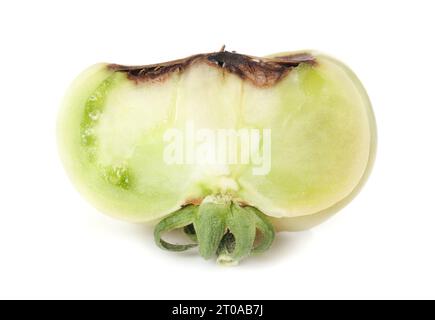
53 244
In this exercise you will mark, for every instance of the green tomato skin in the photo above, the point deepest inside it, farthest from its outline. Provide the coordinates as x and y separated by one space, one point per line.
110 133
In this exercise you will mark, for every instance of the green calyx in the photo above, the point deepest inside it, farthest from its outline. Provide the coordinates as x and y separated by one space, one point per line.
219 226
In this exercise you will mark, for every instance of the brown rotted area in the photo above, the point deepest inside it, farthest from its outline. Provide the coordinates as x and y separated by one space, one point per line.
262 72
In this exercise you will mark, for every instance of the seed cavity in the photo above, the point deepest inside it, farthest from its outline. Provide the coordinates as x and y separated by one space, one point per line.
118 176
93 108
94 115
87 138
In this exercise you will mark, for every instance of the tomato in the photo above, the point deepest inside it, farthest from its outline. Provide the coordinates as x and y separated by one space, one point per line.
229 147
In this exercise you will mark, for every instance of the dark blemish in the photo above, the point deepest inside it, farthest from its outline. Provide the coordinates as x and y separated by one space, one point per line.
154 72
262 72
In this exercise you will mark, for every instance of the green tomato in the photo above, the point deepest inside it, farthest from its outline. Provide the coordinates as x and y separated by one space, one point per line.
254 144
